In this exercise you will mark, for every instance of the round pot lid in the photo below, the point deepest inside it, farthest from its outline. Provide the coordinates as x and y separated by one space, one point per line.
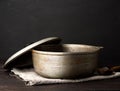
23 58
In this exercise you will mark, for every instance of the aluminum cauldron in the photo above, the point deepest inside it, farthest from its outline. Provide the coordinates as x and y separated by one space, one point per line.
65 60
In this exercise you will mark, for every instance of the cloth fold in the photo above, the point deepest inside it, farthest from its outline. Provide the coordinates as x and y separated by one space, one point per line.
30 77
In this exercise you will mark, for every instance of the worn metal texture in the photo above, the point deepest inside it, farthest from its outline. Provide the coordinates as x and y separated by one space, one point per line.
65 61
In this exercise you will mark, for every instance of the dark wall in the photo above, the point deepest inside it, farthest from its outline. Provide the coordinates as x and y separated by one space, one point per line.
94 22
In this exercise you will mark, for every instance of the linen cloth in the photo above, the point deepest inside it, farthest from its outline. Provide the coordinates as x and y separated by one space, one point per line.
30 77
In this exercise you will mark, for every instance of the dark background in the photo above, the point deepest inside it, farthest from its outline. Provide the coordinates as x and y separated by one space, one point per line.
94 22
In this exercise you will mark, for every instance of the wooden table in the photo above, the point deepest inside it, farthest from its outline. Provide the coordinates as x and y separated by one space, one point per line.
8 83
